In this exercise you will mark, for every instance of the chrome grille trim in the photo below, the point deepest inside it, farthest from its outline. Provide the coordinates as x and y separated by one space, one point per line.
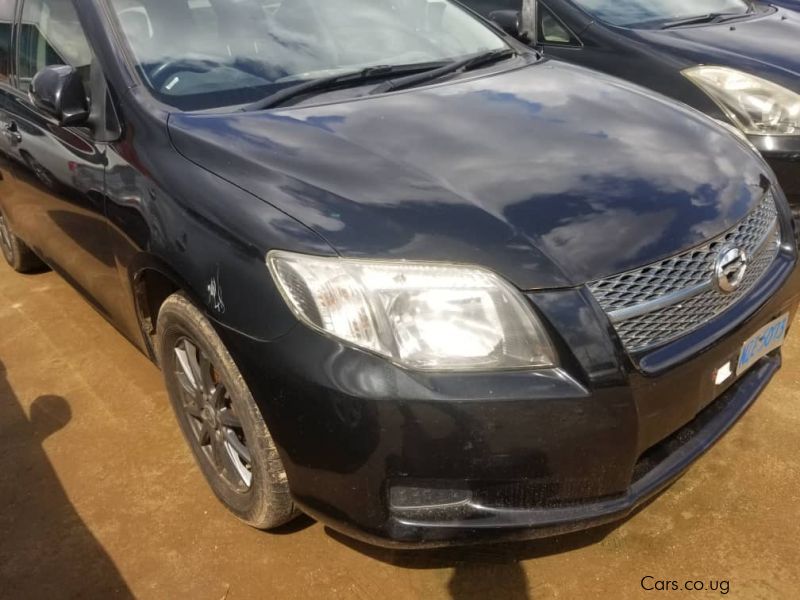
638 310
665 300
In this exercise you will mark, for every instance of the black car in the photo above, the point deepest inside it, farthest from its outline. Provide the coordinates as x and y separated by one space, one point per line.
399 271
735 60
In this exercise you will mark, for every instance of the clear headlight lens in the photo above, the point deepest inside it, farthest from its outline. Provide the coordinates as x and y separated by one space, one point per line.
757 106
423 316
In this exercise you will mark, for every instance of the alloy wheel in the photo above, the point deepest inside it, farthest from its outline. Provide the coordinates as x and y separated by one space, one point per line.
212 417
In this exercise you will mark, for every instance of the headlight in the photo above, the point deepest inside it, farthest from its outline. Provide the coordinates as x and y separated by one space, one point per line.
424 316
757 106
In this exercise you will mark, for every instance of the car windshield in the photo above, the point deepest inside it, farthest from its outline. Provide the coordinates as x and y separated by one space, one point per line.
200 54
640 12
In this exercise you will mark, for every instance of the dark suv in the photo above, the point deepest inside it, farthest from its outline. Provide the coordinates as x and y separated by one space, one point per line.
400 272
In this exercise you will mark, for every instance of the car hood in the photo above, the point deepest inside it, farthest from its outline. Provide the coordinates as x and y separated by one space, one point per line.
767 45
551 174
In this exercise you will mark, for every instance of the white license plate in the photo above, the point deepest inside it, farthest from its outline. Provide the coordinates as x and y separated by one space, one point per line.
767 339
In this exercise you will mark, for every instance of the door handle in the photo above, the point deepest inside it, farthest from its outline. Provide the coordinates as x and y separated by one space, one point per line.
11 131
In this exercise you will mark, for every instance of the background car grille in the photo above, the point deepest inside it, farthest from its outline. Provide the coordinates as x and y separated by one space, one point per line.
665 300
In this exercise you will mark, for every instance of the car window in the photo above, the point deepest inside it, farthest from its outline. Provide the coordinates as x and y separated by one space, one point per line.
6 18
51 34
553 31
197 54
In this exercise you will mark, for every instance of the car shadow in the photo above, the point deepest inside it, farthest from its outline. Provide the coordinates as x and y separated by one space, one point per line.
482 571
487 570
46 550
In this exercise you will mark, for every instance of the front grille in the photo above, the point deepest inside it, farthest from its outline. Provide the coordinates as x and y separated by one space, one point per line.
665 300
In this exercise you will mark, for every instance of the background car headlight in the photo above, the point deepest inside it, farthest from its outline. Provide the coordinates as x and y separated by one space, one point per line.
757 106
424 316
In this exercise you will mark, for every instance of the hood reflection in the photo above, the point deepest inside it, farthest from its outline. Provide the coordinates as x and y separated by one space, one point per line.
547 166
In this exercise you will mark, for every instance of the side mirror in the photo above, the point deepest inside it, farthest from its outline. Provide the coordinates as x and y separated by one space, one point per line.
521 24
59 92
508 20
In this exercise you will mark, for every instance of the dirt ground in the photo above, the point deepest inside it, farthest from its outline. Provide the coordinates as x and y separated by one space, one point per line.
100 498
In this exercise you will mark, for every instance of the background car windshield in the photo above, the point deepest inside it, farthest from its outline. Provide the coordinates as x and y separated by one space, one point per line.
637 12
197 54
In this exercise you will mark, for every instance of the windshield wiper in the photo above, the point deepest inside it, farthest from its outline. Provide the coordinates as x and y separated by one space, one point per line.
324 84
466 64
708 18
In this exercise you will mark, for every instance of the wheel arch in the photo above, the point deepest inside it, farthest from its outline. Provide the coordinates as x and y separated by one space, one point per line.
152 282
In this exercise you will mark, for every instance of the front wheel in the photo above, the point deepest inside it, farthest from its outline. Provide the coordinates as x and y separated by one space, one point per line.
220 419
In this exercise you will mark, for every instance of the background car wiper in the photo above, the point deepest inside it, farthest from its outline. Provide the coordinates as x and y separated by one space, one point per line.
333 82
459 65
708 18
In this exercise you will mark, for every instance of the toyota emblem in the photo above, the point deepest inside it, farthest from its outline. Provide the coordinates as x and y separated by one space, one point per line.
730 269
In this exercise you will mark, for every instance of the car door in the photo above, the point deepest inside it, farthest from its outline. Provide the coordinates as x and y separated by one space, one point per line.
60 170
7 136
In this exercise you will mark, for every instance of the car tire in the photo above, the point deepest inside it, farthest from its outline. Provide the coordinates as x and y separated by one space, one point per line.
17 254
215 408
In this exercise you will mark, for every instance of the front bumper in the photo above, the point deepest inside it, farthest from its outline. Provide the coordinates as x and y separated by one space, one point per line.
655 470
414 459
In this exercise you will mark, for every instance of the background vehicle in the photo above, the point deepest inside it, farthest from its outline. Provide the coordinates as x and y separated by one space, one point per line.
398 270
671 47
